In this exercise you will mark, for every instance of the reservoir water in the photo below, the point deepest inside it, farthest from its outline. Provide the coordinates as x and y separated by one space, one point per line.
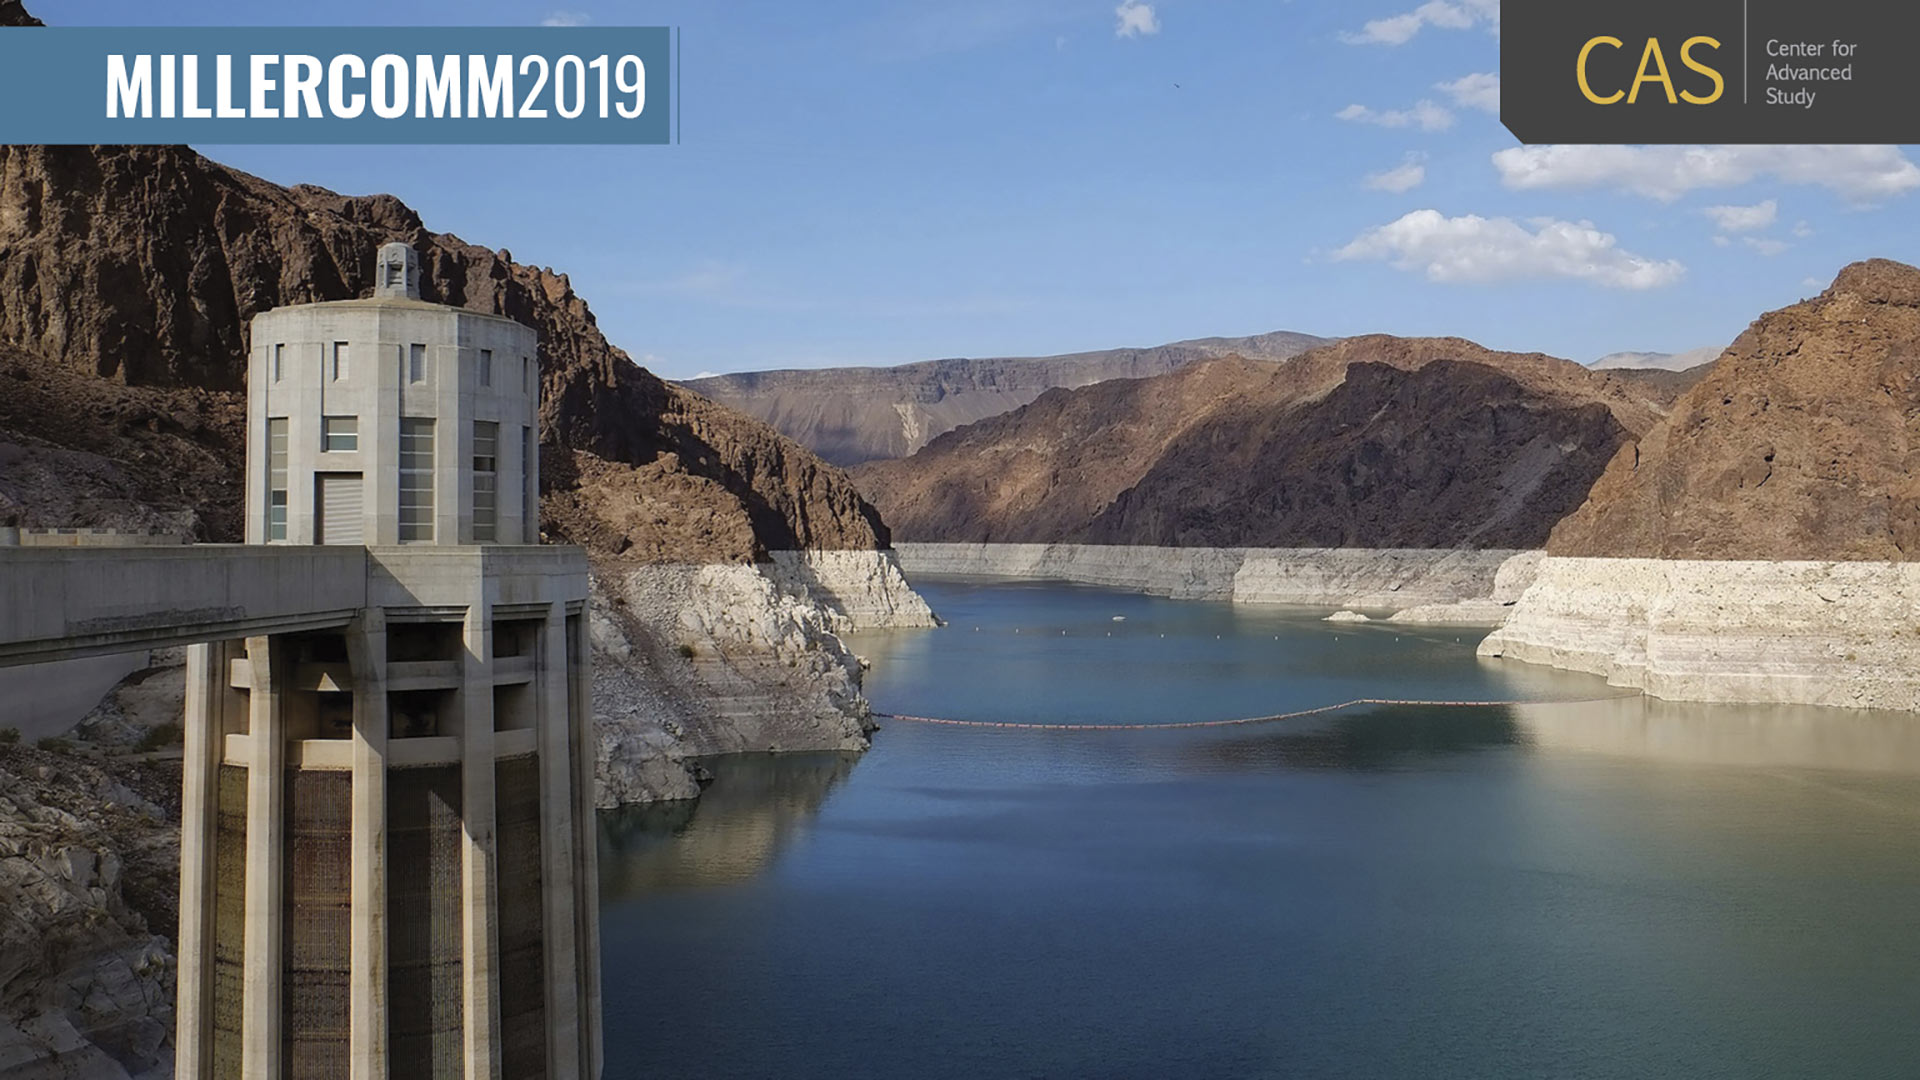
1620 888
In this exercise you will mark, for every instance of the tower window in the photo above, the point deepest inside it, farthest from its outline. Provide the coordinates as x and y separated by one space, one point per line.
416 480
279 356
339 361
277 478
526 375
486 462
339 433
529 498
416 363
486 367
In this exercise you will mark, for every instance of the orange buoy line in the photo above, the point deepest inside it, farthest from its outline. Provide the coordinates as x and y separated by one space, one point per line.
1355 703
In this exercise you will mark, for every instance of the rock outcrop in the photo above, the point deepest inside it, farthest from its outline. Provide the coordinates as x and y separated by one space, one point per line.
89 870
1373 442
1802 442
1760 545
696 660
851 415
1838 634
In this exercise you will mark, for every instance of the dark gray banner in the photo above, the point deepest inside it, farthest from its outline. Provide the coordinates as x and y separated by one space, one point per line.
1710 71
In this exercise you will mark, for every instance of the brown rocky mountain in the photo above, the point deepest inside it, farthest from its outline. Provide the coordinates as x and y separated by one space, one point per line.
1662 381
127 279
1802 441
1370 442
851 415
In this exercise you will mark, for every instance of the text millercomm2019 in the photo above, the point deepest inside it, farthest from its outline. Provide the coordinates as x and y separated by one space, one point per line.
390 86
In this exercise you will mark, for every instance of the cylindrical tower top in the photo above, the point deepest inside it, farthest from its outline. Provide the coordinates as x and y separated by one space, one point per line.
392 421
398 277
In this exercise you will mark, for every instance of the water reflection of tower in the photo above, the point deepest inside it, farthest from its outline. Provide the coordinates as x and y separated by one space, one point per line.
387 852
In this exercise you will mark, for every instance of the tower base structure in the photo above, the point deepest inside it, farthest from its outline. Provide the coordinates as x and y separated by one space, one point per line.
387 847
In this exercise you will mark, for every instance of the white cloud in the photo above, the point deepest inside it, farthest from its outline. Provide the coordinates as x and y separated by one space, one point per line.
1136 19
1737 219
566 18
1765 245
1478 91
1443 14
1803 230
1859 174
1408 175
1425 115
1813 283
1474 249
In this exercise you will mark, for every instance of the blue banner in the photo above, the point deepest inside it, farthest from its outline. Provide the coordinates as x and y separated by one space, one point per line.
337 85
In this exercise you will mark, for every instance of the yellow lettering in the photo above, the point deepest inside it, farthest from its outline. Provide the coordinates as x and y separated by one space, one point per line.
1659 58
1580 72
1686 57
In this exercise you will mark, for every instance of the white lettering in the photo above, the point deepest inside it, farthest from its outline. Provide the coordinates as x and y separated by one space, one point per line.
388 84
490 93
190 107
303 78
440 90
258 85
343 106
223 89
128 92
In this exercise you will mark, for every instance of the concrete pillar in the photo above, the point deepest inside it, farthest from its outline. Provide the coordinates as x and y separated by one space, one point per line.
205 746
554 727
480 938
367 654
585 740
260 1012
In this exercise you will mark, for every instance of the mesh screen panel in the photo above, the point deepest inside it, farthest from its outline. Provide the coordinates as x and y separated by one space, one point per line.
229 916
314 955
423 922
523 975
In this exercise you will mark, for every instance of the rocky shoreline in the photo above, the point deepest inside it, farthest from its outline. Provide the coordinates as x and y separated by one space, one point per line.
1418 585
1838 634
696 660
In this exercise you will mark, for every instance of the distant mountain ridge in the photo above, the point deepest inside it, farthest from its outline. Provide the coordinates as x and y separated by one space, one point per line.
1370 442
1659 361
851 415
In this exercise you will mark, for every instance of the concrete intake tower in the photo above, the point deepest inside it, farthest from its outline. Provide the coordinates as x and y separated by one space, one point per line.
387 844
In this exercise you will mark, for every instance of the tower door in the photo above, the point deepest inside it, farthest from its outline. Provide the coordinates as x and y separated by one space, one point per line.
340 513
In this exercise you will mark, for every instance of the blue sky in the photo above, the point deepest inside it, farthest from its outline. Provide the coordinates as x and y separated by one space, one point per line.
881 182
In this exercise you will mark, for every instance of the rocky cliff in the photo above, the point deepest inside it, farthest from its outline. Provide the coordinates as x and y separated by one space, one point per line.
851 415
1760 545
1371 442
1802 441
138 268
89 871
